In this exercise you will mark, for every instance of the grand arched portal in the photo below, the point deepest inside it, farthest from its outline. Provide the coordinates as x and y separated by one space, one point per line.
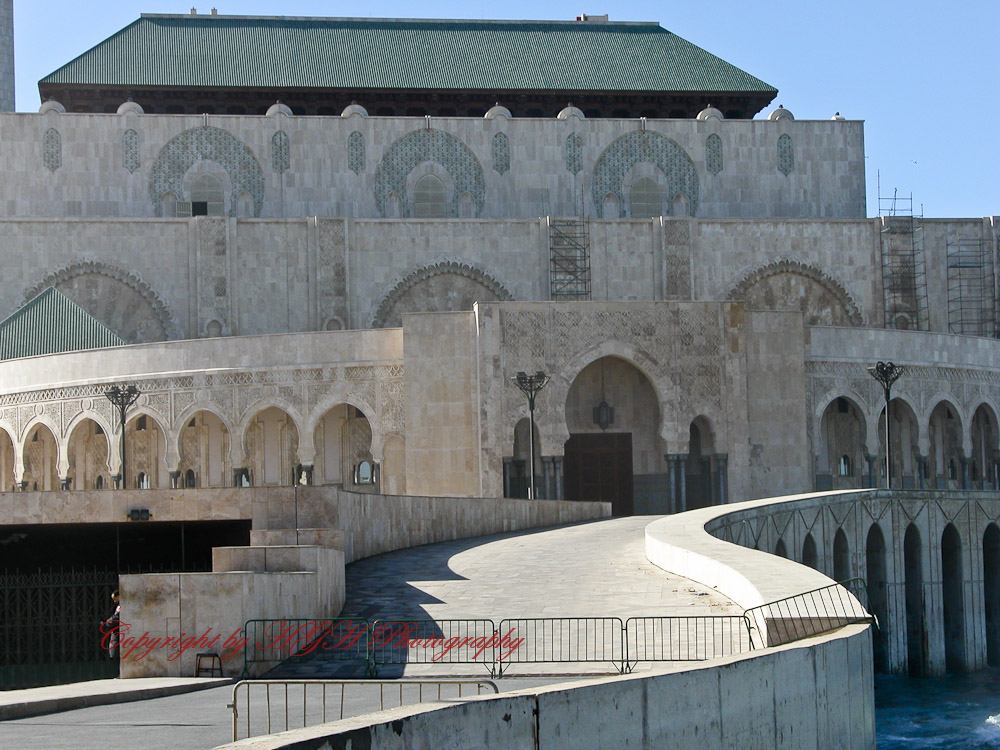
614 452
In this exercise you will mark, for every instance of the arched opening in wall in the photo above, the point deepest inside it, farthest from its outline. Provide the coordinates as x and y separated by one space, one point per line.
392 478
645 198
991 592
244 205
945 467
876 578
515 467
809 556
393 206
609 207
954 600
272 444
7 478
614 452
205 451
841 447
88 457
169 204
982 462
906 470
207 198
914 587
780 550
466 206
680 205
705 470
343 440
429 198
841 557
41 458
145 454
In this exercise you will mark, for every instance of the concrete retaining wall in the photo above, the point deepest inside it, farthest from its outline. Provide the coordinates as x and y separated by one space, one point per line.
814 694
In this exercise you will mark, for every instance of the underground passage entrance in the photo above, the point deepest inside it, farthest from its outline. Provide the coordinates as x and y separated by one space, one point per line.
56 582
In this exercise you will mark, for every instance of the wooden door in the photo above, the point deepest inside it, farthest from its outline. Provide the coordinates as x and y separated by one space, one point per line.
598 466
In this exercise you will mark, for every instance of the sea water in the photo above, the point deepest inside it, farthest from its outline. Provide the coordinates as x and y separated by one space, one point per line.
957 711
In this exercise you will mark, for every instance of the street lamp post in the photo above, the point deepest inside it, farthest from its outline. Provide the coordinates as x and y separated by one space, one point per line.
530 385
122 397
886 373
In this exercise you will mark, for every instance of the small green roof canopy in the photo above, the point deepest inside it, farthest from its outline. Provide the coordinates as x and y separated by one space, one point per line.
386 54
52 323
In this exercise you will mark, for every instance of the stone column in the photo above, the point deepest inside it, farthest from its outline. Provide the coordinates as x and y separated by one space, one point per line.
306 474
65 483
722 477
995 479
964 462
921 471
175 479
677 489
557 465
239 475
508 465
870 460
117 479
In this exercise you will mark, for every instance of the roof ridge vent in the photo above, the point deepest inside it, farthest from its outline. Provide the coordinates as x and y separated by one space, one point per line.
585 18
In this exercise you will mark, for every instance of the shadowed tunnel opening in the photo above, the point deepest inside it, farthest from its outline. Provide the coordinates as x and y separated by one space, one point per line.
915 634
954 606
875 562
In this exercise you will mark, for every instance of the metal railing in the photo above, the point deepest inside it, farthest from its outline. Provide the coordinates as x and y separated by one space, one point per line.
293 704
810 613
273 641
694 638
432 642
559 640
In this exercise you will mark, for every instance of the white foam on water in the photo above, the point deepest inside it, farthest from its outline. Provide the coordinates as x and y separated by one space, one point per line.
989 732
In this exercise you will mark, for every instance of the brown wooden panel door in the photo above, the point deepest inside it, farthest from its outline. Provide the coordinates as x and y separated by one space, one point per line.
598 466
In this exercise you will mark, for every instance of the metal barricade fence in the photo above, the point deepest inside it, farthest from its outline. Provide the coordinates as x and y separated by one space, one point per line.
292 704
279 640
694 638
432 642
810 613
552 640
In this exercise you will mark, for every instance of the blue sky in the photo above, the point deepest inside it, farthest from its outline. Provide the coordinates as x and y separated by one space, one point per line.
924 76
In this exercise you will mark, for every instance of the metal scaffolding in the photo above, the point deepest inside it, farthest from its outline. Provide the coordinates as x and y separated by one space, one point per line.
904 275
971 296
569 259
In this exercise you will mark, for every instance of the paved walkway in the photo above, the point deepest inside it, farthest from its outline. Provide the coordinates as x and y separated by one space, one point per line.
595 569
591 569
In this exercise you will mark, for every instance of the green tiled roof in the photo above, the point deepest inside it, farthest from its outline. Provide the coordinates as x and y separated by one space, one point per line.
52 323
259 52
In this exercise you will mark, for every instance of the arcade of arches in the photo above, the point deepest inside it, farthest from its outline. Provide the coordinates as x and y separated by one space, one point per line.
203 454
615 451
955 456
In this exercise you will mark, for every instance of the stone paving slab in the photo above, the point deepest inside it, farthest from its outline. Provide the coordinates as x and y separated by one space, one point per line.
15 704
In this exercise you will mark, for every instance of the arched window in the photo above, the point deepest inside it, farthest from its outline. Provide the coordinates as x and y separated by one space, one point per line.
844 467
609 209
646 198
429 198
99 482
189 478
206 198
466 206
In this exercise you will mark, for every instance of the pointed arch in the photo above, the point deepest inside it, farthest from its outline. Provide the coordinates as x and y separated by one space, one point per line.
834 289
156 324
382 311
429 145
211 144
644 146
